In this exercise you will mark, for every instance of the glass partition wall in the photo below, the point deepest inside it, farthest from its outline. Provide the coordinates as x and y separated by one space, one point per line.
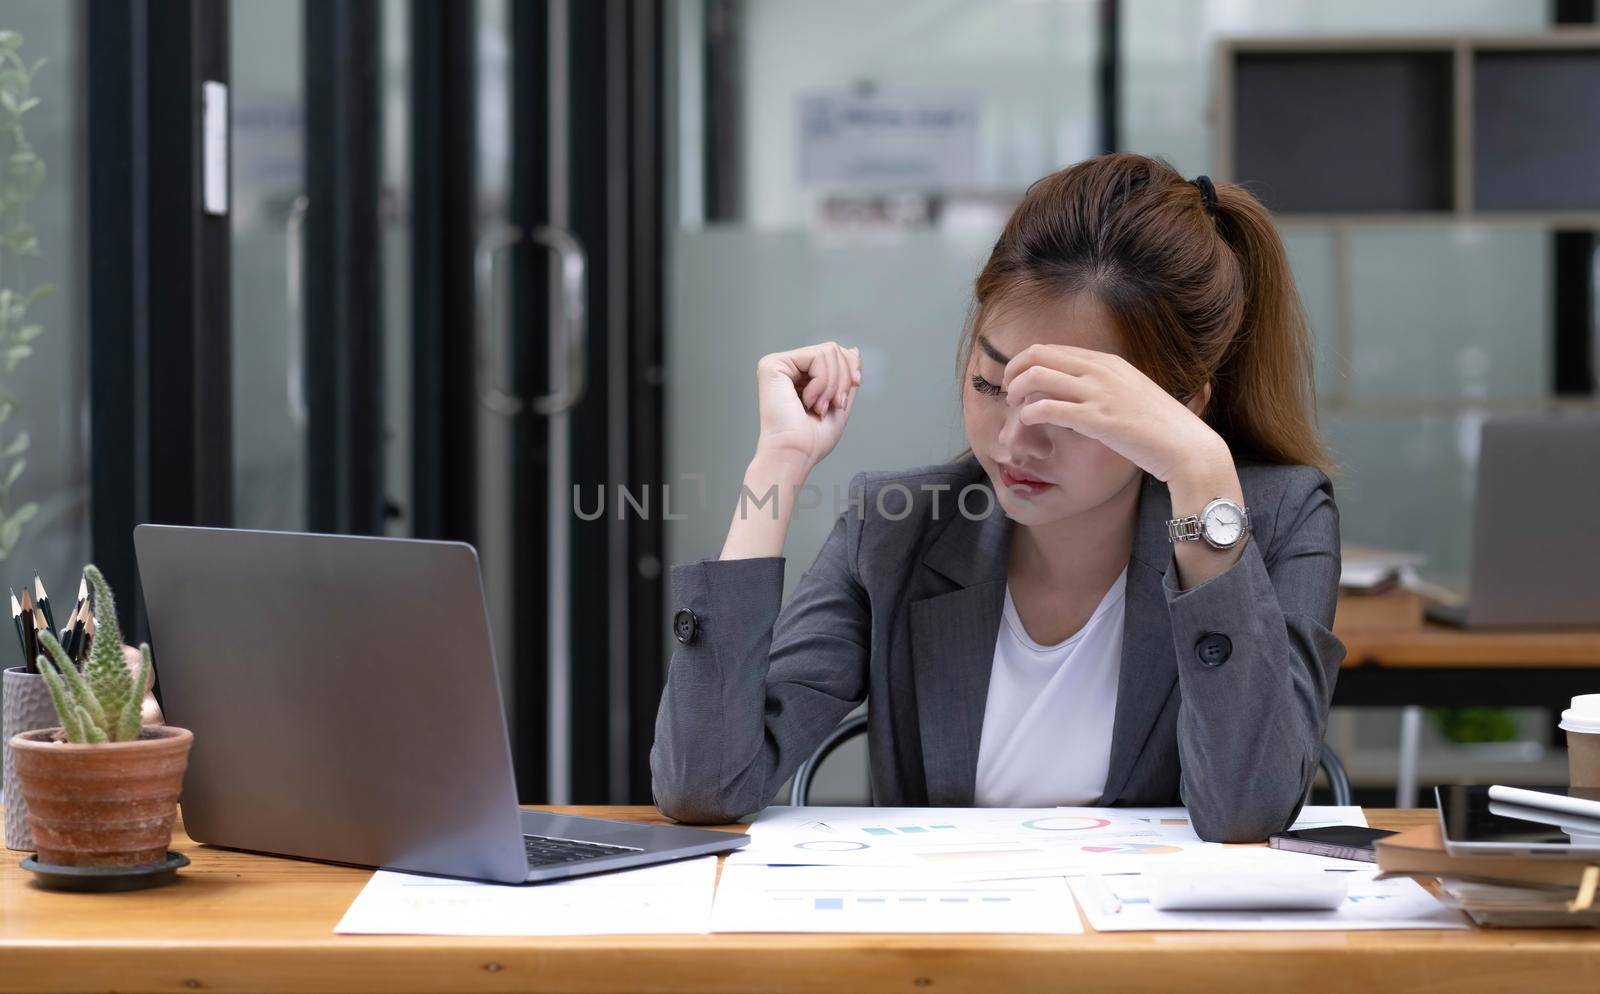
841 171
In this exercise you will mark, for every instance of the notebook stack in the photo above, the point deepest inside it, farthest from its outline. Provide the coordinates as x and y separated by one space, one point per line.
1499 891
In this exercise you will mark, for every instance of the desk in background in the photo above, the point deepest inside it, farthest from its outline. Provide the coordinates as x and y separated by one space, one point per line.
1436 665
1432 665
238 922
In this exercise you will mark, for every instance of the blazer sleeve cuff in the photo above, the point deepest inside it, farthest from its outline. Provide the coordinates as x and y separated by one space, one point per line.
731 599
1227 605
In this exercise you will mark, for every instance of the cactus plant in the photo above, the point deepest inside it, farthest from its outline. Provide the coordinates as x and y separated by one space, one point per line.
103 703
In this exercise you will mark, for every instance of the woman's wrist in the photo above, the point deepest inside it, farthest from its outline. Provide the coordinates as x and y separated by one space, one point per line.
781 468
767 497
1205 472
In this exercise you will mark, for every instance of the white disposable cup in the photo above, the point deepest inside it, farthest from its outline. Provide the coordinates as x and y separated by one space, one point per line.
1581 722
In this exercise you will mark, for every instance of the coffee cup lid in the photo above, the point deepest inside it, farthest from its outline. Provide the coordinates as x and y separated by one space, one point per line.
1583 716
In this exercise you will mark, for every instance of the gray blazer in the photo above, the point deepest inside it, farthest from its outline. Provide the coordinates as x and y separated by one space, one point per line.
1222 697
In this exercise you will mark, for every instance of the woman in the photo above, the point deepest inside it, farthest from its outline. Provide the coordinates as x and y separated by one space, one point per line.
1121 595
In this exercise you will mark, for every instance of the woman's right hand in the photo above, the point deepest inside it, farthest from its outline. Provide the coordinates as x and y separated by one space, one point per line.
804 397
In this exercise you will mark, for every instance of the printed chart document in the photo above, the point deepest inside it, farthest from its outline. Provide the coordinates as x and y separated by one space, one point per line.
672 898
753 898
1015 842
1122 904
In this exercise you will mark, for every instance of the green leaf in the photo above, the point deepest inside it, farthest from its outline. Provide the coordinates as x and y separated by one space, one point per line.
10 40
41 292
17 446
128 722
92 732
29 332
60 698
15 354
11 528
82 695
15 472
27 105
106 671
8 100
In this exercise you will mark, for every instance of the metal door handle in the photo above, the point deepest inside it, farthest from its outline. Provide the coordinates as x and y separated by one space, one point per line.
574 319
295 347
491 246
574 328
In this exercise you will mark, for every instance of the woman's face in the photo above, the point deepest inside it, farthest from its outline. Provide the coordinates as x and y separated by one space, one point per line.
1040 473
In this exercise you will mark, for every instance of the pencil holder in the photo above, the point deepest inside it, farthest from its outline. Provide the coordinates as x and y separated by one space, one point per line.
27 707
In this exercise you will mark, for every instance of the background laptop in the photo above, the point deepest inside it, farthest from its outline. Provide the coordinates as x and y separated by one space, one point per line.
1536 526
345 707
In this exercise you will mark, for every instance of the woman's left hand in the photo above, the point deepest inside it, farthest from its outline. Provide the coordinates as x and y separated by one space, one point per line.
1104 397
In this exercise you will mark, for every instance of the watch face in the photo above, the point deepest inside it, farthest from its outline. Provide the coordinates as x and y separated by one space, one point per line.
1224 524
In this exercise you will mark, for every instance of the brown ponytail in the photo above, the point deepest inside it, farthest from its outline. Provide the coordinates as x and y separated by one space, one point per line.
1201 289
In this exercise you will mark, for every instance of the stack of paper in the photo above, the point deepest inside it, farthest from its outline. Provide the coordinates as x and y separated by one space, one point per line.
818 869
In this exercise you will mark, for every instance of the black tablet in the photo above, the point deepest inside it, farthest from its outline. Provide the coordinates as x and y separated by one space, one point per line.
1473 823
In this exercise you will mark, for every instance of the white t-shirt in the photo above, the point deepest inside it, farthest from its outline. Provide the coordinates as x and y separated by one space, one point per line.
1047 725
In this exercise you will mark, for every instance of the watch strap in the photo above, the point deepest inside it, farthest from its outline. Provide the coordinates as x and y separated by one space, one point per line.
1187 529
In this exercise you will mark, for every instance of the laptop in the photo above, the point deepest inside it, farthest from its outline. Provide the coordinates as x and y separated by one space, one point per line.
345 707
1534 534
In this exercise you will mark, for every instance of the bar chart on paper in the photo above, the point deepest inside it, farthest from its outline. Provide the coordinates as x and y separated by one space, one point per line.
885 899
908 829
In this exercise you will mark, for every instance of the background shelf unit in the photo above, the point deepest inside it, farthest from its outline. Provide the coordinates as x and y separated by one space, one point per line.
1498 128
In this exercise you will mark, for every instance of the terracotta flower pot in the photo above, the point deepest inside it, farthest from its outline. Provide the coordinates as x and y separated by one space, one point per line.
110 804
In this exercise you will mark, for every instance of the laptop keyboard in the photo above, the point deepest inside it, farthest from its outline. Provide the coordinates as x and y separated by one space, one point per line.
544 851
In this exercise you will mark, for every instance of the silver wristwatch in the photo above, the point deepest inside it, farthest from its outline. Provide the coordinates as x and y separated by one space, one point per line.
1222 523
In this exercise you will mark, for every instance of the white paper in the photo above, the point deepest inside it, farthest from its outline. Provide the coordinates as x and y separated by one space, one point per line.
1121 904
997 843
886 899
923 837
672 898
1117 856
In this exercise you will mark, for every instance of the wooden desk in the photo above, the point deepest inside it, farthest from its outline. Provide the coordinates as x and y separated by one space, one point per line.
1441 666
237 922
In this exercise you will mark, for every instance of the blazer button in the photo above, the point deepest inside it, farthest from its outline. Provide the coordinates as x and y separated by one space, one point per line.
685 625
1214 649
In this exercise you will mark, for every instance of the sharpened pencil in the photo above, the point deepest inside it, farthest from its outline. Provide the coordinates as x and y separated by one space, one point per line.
22 643
44 602
39 625
73 631
88 640
30 642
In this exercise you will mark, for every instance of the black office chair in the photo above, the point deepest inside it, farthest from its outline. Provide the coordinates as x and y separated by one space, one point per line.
800 789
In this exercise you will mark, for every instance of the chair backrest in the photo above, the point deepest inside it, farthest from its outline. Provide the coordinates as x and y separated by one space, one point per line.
800 788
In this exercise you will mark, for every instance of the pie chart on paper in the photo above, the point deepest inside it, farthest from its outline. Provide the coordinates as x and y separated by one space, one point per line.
831 845
1065 823
1133 849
